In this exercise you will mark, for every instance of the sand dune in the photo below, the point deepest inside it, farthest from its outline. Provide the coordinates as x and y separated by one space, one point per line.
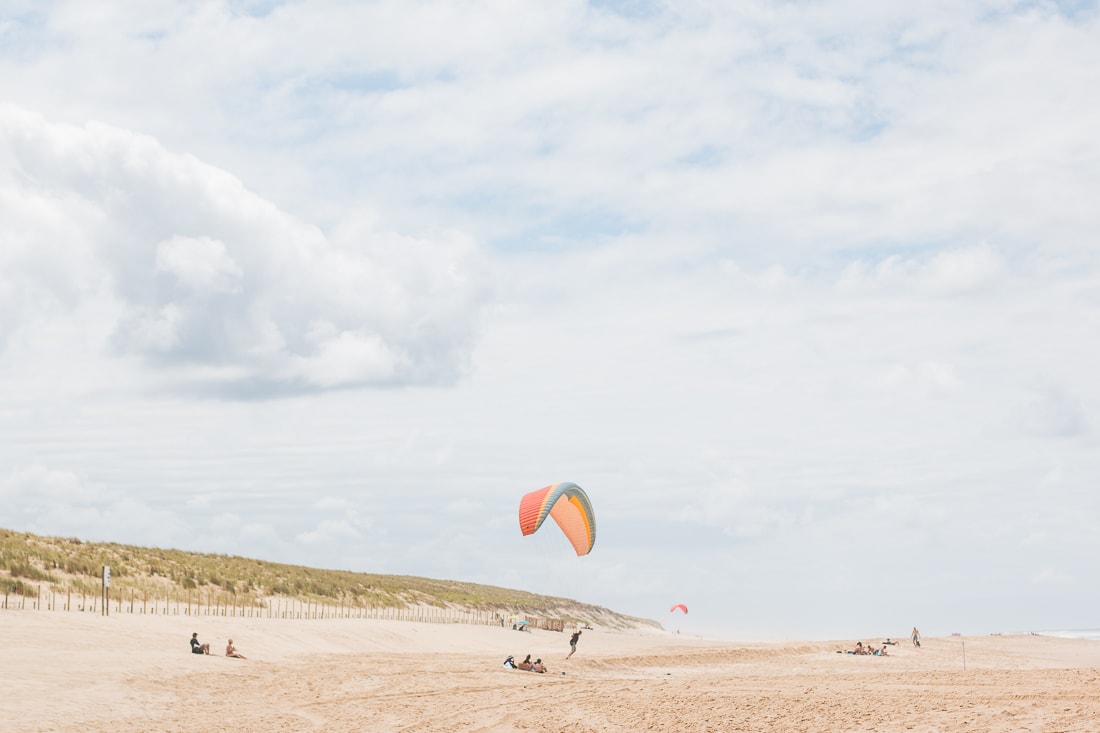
71 671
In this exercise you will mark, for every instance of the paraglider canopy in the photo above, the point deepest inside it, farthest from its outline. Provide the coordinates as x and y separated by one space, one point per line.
680 606
568 505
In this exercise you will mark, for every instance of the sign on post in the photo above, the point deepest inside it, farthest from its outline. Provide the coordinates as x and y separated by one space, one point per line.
106 590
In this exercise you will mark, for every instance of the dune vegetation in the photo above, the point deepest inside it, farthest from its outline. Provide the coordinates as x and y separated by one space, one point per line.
31 565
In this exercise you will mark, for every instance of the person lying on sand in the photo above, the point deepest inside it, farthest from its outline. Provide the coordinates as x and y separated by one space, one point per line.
231 651
525 665
538 666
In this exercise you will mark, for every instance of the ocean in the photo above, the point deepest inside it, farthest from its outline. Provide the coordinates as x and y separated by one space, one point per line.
1090 634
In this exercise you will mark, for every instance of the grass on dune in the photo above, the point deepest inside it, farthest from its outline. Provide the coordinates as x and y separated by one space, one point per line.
31 563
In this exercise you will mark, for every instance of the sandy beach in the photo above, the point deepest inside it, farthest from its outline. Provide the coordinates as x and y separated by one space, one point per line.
72 671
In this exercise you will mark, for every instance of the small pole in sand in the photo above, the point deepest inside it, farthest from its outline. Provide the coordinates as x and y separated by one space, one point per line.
106 590
964 656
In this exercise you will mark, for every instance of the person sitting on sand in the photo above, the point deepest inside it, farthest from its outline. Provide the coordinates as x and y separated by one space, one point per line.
538 666
231 651
197 647
525 664
510 662
859 648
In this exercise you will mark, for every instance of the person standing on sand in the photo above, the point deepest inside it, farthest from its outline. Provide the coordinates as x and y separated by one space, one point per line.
916 637
573 643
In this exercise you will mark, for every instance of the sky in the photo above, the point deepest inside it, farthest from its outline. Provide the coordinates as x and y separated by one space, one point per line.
805 295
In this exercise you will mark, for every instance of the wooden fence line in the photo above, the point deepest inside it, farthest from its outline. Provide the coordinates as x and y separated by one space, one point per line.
224 605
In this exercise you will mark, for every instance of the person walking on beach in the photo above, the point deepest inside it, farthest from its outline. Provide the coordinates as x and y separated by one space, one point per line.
916 637
573 642
197 647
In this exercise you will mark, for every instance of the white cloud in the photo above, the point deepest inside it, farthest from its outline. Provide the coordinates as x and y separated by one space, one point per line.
1049 411
345 358
258 533
199 502
951 272
201 264
1049 576
962 270
927 377
247 290
331 503
329 532
49 501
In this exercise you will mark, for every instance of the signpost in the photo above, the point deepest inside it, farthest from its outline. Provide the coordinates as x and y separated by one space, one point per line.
106 590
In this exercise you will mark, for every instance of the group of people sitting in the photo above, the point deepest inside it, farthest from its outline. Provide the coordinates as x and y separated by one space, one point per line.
526 664
197 647
868 649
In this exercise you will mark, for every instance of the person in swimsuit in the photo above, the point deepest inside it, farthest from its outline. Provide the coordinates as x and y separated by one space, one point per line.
231 651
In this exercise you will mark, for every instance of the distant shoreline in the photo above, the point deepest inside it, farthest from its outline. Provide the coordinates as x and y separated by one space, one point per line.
1083 634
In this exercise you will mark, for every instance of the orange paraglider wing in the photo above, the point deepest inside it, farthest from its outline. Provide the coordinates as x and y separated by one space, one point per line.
568 505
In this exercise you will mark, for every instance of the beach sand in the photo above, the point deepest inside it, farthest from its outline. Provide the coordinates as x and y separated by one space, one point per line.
66 671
